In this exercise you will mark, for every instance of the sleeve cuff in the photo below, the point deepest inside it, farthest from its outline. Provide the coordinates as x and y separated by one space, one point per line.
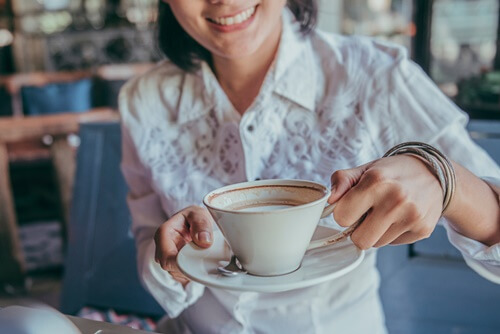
169 293
482 259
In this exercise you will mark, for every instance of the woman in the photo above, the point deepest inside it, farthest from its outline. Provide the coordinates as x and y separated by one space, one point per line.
252 91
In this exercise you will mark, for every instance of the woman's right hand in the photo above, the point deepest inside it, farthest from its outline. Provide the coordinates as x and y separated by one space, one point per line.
193 223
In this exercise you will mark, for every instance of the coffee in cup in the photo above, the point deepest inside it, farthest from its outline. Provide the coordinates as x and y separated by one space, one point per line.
269 224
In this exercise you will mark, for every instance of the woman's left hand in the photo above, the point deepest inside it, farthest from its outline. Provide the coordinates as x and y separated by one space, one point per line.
401 195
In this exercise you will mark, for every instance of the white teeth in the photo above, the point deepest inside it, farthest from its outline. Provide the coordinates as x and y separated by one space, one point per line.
238 18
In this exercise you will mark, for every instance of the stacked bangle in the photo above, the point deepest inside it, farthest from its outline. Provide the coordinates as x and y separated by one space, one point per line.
437 161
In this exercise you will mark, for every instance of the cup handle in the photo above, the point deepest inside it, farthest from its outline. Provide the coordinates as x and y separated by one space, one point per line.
328 210
337 236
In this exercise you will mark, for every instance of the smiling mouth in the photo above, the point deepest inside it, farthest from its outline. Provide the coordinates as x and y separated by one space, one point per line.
236 19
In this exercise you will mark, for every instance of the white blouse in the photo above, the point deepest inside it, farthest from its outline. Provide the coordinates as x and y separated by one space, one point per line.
328 102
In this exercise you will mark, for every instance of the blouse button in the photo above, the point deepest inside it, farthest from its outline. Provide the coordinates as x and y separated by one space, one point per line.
250 128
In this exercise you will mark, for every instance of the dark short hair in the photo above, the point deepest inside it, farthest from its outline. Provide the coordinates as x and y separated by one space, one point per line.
186 53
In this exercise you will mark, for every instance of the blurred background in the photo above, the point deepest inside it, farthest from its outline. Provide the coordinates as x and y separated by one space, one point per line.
62 63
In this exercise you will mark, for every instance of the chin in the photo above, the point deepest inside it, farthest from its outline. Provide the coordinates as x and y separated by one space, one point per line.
236 52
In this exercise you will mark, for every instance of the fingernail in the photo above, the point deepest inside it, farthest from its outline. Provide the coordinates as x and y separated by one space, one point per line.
204 237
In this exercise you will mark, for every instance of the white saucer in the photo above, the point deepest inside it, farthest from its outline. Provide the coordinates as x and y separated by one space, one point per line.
318 265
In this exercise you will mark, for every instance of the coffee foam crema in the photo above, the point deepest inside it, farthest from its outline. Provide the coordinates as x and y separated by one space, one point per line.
265 197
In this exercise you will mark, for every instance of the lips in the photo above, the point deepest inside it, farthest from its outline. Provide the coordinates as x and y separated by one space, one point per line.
237 19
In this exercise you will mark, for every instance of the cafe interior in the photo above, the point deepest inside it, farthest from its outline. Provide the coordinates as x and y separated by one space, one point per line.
65 240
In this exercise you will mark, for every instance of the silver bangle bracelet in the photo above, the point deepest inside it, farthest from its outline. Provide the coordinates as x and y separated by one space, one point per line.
437 161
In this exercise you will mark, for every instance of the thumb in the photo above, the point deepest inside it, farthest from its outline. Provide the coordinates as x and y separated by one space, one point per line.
343 180
200 228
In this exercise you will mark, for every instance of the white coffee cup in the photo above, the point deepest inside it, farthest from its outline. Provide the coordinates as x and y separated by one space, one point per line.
269 224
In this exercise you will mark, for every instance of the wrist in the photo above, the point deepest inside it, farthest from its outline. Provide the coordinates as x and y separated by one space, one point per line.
455 206
474 210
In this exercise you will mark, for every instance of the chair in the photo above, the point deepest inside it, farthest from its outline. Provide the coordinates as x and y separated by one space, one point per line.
14 133
29 90
100 266
42 110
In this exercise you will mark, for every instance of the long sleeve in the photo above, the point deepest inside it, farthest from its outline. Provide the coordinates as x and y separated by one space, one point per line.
147 215
420 111
484 260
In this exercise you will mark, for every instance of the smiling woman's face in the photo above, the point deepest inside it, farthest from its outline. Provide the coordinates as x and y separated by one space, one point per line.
230 28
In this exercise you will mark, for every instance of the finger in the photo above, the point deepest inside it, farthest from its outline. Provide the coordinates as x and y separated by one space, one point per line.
166 256
420 230
168 259
356 201
378 221
345 179
166 253
394 232
168 239
407 238
200 226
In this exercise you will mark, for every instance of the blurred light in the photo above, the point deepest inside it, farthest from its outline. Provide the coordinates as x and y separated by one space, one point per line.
52 22
134 15
73 140
448 50
379 5
55 4
92 5
487 51
449 89
139 16
47 140
6 37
